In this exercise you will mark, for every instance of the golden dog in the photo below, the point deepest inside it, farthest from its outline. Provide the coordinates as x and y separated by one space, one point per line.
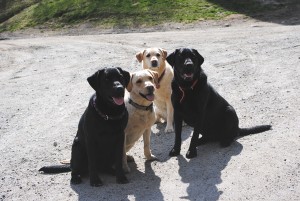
155 59
139 103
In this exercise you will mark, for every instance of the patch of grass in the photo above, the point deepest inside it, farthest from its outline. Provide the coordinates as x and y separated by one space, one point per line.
10 8
116 13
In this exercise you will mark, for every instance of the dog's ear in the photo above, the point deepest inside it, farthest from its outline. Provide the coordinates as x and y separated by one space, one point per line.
93 80
155 78
125 74
171 58
201 59
129 85
164 53
139 56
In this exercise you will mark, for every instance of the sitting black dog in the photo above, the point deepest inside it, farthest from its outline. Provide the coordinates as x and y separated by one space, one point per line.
197 103
98 145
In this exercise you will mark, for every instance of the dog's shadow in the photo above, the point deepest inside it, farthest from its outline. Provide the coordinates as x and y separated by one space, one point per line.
203 173
143 186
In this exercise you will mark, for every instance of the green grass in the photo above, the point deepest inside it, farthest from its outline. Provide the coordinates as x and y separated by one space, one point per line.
19 14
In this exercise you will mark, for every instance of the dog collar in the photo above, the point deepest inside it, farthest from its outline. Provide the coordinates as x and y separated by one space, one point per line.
182 89
105 116
141 107
161 76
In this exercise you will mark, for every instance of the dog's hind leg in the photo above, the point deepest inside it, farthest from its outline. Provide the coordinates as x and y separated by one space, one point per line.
202 141
78 161
229 128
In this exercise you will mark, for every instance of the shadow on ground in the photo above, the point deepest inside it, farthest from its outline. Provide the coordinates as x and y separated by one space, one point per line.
142 186
286 12
203 173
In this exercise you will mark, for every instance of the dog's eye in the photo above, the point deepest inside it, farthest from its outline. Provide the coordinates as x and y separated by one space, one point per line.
139 81
158 55
148 55
150 78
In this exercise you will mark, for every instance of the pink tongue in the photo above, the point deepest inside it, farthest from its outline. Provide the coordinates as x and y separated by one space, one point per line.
118 101
150 97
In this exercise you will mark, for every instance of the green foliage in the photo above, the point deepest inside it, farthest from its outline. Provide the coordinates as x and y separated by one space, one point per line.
19 14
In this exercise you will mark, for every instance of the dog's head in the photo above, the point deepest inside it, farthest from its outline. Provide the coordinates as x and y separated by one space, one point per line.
186 63
110 83
143 84
152 58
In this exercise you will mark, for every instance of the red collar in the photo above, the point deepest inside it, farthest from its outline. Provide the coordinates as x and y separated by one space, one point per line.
161 76
187 88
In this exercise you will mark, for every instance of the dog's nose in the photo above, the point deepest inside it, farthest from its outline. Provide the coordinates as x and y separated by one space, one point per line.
154 63
119 88
150 89
188 62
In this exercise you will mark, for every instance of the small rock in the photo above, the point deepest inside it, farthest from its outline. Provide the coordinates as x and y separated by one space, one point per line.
55 144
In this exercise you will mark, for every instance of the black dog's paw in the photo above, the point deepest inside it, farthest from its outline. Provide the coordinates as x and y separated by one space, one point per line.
76 179
191 153
174 152
122 180
130 159
96 182
226 143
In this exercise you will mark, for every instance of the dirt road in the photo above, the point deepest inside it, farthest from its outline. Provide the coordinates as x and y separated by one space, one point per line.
255 66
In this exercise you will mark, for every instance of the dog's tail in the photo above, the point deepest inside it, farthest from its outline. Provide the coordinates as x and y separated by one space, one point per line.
254 130
56 169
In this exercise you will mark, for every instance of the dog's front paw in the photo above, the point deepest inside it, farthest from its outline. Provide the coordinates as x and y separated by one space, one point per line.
130 159
75 179
96 182
122 179
126 168
191 153
169 129
174 152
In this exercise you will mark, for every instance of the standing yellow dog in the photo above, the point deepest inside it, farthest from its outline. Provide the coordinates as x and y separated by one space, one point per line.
155 59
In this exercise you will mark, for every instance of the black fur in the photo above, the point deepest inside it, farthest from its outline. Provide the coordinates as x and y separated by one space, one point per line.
197 103
98 145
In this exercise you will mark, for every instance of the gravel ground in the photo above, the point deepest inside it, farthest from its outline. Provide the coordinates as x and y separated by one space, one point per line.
254 65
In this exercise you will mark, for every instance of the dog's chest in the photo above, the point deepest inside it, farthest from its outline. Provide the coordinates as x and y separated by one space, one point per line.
142 118
139 120
187 105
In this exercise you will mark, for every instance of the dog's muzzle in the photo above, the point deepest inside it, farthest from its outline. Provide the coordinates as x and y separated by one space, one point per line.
154 63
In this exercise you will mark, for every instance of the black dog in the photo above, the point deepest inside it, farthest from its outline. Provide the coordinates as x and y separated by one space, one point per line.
98 145
197 103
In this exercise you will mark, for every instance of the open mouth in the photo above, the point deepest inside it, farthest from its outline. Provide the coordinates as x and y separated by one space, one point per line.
149 97
118 100
188 76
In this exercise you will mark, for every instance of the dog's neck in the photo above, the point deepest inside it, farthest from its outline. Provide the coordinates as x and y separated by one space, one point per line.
189 85
140 107
106 108
139 100
161 76
161 69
